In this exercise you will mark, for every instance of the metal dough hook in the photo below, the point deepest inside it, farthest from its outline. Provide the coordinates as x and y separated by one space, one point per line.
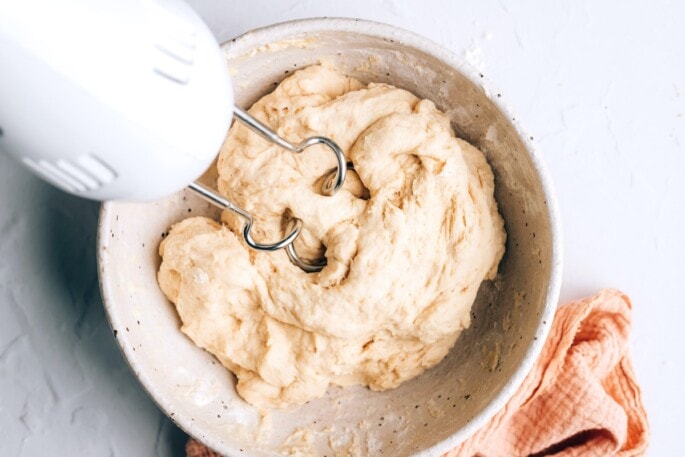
331 183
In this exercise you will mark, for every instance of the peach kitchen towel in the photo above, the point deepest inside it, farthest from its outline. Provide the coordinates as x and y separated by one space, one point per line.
580 399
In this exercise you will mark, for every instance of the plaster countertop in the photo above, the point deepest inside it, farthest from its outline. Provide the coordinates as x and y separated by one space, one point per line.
599 85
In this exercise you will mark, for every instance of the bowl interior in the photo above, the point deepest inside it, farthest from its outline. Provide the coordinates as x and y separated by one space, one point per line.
428 414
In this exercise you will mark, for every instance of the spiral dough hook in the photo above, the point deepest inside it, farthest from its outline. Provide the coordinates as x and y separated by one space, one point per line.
331 183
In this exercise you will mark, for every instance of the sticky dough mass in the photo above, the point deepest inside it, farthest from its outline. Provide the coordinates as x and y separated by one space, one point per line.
408 240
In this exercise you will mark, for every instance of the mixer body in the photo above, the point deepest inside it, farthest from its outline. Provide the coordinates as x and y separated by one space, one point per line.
111 100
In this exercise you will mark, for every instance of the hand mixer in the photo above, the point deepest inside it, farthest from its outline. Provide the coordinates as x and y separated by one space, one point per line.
125 99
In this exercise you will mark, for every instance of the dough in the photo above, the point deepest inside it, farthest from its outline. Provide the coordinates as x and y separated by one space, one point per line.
408 240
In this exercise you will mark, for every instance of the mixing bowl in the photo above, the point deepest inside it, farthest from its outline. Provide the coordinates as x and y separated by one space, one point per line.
425 416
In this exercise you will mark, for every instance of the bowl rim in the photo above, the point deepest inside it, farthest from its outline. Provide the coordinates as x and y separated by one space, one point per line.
281 31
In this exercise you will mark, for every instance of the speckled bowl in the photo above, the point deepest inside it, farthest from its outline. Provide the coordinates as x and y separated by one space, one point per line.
425 416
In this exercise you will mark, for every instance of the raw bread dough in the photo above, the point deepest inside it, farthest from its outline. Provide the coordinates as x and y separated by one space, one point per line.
408 240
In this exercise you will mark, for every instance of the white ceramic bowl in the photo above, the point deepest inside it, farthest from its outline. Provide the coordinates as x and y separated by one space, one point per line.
425 416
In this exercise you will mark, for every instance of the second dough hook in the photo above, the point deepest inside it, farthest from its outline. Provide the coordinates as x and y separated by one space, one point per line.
329 187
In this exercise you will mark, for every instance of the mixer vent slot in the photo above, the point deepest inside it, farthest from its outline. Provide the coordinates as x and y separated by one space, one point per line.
86 173
174 42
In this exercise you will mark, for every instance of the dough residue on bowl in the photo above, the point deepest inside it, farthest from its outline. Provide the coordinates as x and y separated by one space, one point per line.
408 240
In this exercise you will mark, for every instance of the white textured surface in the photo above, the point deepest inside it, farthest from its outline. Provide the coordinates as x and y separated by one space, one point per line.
600 86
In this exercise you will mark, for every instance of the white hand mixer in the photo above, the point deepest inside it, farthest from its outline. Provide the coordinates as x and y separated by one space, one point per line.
125 99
